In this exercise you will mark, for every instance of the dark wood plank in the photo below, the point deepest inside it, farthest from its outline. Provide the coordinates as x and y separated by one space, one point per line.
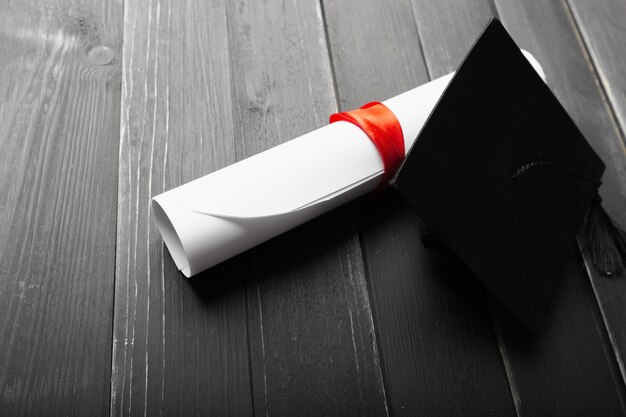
574 345
448 29
375 50
602 26
602 29
179 346
440 353
59 125
567 368
312 341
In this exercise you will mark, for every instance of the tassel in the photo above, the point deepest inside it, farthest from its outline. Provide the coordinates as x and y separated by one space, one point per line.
604 240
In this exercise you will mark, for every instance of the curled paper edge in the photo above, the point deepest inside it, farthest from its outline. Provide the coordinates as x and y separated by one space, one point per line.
220 215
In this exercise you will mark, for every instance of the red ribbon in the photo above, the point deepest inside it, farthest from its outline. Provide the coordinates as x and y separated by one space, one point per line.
383 128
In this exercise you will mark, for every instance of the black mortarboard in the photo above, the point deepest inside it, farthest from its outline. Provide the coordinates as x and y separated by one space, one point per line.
502 175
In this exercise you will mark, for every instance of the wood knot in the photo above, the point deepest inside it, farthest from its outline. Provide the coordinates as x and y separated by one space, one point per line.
100 55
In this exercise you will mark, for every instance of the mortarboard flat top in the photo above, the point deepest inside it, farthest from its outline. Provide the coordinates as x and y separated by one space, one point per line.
502 175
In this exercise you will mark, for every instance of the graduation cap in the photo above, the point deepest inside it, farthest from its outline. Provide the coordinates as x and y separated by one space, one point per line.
502 175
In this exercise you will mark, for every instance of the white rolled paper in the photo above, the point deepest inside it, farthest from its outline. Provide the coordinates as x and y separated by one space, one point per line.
220 215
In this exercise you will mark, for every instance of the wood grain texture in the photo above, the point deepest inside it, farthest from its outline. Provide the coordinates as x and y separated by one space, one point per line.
312 341
440 353
603 29
179 346
566 368
448 29
581 354
603 35
59 118
292 327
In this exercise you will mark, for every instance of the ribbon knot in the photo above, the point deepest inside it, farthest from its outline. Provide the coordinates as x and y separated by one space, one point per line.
384 130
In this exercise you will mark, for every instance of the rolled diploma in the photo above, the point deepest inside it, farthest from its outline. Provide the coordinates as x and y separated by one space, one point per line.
220 215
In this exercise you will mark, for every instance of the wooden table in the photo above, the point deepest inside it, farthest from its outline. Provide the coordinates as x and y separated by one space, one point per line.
104 104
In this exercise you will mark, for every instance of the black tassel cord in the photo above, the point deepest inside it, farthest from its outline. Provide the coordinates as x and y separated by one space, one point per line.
604 240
